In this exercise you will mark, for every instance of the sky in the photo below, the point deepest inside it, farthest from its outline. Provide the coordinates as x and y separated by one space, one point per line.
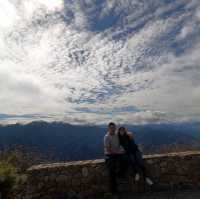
95 61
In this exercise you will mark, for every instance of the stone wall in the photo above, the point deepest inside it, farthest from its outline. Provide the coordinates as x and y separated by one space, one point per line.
89 179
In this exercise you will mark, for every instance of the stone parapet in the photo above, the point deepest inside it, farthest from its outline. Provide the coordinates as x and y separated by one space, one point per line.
89 179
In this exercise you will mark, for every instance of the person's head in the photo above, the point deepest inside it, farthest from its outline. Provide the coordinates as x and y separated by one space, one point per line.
111 128
122 131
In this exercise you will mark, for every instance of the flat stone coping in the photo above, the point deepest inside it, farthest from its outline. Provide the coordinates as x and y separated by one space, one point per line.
101 161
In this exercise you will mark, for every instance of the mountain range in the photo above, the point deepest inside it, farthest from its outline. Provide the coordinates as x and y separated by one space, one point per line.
77 142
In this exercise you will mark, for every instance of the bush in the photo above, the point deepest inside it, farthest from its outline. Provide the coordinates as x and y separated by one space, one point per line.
10 179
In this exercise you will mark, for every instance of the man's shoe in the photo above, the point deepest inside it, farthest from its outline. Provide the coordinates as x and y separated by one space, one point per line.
137 177
149 181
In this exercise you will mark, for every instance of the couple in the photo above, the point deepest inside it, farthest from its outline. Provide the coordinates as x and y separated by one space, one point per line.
120 151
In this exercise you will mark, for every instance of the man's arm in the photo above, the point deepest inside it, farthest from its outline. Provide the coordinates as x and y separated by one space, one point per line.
107 146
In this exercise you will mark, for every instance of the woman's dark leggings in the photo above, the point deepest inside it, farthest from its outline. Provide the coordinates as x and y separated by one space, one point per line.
137 162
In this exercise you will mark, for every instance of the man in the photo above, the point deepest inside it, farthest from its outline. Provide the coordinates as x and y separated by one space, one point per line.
115 157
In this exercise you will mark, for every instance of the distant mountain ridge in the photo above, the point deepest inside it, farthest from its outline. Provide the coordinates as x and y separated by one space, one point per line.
75 142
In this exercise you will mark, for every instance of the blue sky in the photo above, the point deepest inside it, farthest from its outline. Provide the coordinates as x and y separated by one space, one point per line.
92 61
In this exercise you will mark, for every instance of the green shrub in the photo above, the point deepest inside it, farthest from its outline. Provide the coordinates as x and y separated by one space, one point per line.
10 179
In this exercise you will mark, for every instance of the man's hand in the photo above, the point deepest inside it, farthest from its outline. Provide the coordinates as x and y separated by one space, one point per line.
116 152
113 151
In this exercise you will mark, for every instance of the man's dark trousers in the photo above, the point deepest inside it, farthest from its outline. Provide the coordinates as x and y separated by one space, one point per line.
117 165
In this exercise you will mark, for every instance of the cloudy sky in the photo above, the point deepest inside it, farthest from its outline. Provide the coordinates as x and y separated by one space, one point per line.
92 61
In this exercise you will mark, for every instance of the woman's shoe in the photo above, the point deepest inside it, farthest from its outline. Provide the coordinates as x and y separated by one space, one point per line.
149 181
137 177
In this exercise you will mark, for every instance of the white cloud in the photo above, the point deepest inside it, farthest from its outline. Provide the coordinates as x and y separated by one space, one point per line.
188 29
198 13
8 14
52 4
26 94
49 66
175 89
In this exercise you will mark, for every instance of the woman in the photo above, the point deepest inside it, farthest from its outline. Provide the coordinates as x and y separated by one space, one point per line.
127 142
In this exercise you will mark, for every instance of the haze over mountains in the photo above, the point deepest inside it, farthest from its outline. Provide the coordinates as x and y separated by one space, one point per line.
92 61
76 142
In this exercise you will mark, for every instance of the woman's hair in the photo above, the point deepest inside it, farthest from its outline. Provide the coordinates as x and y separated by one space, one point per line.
122 128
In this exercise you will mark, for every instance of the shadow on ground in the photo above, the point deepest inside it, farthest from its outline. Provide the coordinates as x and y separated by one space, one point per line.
180 194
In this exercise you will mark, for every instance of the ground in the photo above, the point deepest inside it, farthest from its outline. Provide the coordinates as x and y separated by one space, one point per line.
181 194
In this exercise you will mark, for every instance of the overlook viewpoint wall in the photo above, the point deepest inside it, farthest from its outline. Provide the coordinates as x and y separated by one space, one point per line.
89 179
